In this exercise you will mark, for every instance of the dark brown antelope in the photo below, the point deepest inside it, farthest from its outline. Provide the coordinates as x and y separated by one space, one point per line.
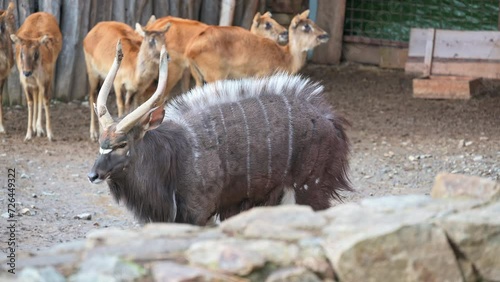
38 43
222 149
7 27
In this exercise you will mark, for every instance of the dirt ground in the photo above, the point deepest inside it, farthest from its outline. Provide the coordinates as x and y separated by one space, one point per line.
399 144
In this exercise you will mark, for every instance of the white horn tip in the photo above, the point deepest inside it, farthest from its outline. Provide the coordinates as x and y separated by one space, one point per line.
164 55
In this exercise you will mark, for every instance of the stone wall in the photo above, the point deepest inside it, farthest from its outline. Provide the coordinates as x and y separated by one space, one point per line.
452 236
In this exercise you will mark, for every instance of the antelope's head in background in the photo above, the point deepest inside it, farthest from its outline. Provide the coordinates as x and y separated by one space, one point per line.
307 33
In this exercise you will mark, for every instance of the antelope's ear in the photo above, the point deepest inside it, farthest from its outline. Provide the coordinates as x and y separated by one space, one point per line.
166 27
305 14
139 29
14 38
256 18
153 118
10 8
151 20
45 39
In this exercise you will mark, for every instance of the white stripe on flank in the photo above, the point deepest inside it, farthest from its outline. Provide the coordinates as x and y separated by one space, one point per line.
225 136
290 136
269 145
288 197
196 147
104 151
248 146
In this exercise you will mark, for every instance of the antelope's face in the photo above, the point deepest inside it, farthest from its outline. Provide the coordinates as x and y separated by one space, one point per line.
114 155
265 26
6 25
28 53
3 31
153 40
116 143
306 33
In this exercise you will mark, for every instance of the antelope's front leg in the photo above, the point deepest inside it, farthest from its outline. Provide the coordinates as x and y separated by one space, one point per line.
39 104
45 98
29 100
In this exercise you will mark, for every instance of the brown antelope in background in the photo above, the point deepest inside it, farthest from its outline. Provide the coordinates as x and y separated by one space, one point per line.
232 52
141 50
7 27
38 43
183 30
265 26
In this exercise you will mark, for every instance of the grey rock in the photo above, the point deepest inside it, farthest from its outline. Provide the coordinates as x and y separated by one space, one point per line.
46 274
108 268
418 252
110 236
224 257
83 216
155 230
449 185
173 272
293 274
476 233
286 222
240 256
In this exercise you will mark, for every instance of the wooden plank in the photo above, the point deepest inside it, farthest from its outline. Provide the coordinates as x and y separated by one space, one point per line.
429 51
71 28
53 7
250 10
227 12
459 68
457 44
361 53
331 18
210 12
392 58
161 8
446 87
79 83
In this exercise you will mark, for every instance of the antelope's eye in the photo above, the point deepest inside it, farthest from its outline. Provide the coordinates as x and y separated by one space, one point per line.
37 55
120 146
2 27
152 41
307 28
268 26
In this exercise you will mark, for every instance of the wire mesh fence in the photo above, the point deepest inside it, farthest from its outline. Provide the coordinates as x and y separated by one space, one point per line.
393 19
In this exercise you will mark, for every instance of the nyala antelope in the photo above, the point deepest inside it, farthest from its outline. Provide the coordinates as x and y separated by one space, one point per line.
222 149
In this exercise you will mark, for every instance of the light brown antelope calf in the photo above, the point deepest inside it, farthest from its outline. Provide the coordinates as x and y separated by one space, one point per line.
183 30
38 43
265 26
7 26
139 66
232 52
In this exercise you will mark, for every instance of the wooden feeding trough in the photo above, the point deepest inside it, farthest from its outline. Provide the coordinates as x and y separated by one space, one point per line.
451 62
446 87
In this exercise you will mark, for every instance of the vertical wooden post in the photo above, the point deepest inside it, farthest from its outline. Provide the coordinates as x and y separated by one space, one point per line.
227 12
331 18
210 12
250 10
429 51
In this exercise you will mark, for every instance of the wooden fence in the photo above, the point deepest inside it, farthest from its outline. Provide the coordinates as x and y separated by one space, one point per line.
77 17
